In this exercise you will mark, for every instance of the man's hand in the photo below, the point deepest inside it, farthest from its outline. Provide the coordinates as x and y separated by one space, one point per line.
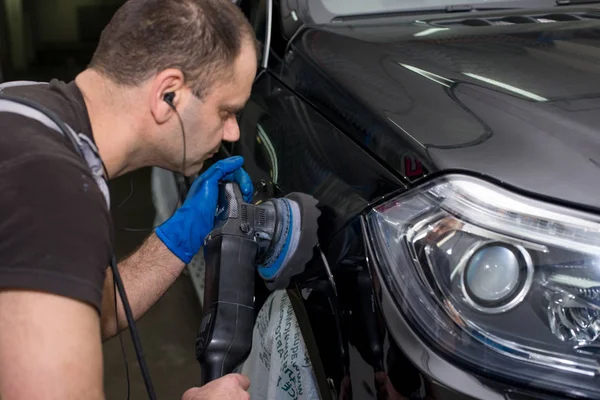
229 387
185 231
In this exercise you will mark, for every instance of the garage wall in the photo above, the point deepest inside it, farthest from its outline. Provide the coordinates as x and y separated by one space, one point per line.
57 20
43 39
16 31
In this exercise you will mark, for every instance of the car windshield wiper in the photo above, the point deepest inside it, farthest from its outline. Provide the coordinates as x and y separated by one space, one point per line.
571 2
418 11
469 7
498 5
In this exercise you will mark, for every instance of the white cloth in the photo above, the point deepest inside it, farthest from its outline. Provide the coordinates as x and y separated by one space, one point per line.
279 366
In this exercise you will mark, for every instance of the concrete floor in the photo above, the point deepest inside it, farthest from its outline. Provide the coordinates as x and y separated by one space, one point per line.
168 330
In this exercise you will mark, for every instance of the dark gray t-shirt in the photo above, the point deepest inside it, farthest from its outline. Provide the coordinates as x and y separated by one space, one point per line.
56 232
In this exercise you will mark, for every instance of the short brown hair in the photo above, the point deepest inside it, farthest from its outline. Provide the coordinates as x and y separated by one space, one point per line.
202 38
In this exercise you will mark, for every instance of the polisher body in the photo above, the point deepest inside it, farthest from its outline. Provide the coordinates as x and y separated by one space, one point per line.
275 239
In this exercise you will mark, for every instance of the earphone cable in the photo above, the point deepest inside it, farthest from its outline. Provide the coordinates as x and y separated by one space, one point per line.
184 152
180 194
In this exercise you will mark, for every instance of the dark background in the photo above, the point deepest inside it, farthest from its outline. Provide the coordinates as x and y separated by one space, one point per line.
45 39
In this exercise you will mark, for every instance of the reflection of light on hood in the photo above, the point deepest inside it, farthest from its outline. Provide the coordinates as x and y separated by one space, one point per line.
429 75
430 31
513 89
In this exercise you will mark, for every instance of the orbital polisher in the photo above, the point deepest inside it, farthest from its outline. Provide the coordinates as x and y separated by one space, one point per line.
275 238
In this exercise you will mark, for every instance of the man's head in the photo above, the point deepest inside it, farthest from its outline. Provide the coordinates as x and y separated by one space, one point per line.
202 52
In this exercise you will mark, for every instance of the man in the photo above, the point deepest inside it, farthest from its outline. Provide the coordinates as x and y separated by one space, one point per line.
157 61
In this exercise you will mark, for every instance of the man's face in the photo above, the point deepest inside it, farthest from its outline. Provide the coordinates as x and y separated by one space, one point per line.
212 120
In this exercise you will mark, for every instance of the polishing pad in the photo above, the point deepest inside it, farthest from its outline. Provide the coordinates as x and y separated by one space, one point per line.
293 240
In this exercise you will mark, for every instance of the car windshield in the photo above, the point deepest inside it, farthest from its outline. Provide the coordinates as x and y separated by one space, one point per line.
353 7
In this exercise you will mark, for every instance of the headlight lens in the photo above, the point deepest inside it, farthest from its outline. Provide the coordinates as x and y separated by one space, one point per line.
500 282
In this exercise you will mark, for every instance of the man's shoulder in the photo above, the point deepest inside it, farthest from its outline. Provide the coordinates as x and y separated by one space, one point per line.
55 226
30 150
62 98
24 139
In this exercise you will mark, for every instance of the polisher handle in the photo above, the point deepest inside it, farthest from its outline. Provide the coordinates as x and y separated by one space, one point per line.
225 337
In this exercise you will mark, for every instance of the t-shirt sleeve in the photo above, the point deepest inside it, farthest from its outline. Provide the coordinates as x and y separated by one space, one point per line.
55 228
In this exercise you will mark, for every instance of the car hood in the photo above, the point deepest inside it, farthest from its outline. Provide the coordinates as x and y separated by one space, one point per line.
519 103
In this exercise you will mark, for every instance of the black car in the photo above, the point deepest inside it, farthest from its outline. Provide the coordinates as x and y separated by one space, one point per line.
454 151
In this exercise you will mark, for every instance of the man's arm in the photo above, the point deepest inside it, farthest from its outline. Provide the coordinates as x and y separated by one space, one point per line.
158 262
54 245
146 275
49 347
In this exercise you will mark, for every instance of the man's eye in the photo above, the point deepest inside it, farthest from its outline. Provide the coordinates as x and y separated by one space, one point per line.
229 115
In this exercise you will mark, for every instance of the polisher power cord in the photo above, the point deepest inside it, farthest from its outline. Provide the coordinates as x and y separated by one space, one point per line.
134 334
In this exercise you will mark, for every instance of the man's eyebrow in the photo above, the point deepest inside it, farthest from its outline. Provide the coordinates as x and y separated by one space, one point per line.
234 108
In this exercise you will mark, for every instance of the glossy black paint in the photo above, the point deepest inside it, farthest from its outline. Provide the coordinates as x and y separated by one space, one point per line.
409 101
364 110
288 143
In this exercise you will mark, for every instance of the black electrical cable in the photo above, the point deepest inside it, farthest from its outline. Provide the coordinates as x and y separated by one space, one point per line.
183 140
180 188
133 330
122 345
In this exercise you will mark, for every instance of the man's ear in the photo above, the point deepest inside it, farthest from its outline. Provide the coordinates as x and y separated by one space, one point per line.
167 85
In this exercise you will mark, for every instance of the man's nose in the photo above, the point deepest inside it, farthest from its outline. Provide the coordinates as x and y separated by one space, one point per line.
232 130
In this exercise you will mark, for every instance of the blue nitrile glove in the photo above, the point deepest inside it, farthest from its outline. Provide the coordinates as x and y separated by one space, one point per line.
185 231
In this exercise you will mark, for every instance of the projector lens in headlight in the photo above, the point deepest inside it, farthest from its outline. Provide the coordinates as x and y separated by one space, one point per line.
496 281
497 276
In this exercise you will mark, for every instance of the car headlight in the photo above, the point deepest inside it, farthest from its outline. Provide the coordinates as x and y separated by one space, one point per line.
498 282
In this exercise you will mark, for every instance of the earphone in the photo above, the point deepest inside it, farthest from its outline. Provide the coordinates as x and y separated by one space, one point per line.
169 97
